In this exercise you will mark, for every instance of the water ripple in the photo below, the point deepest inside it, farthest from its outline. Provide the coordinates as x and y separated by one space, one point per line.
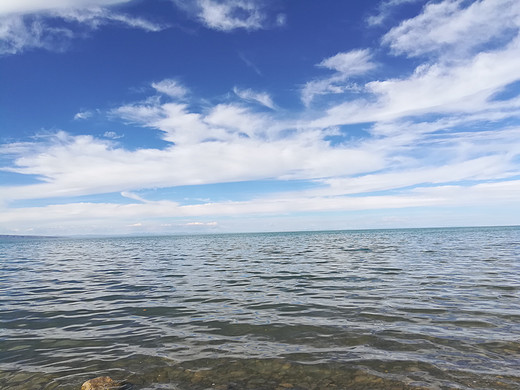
432 309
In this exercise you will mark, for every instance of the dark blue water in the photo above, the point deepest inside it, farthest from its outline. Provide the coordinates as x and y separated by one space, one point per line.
390 309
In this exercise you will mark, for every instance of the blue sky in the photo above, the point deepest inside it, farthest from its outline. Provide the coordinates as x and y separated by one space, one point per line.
166 116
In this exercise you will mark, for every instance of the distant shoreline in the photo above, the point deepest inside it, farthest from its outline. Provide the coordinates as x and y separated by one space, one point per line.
15 236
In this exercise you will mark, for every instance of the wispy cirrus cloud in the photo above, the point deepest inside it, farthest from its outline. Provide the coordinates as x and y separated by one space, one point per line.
34 6
201 224
386 8
447 28
111 217
19 33
346 65
82 115
97 17
262 98
171 88
51 25
467 86
229 15
112 135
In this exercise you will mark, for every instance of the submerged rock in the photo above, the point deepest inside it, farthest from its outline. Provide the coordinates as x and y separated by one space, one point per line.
101 383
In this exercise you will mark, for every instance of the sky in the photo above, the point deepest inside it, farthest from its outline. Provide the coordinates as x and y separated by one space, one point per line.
171 116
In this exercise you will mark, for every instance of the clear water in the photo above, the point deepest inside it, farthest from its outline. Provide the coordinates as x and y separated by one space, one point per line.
395 309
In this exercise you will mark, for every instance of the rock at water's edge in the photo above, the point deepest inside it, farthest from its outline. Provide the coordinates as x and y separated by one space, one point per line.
101 383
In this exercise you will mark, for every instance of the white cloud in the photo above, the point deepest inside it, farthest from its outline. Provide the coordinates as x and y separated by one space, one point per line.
474 55
133 196
492 167
33 6
230 15
250 64
32 24
18 34
281 20
386 8
142 113
260 97
351 63
230 142
97 17
170 88
465 87
83 115
112 135
72 217
223 122
346 65
201 224
80 165
179 125
449 28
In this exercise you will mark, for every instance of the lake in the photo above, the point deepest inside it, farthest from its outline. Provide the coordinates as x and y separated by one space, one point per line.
378 309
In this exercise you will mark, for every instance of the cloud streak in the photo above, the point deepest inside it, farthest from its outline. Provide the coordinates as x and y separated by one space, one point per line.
262 98
230 15
446 28
51 25
74 215
467 87
346 65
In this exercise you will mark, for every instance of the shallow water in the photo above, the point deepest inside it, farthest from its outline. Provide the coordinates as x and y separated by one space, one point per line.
394 309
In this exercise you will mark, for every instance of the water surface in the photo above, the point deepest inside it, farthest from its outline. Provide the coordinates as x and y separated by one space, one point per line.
389 309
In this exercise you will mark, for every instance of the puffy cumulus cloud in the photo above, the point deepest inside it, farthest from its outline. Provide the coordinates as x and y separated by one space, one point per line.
51 25
454 27
346 65
229 15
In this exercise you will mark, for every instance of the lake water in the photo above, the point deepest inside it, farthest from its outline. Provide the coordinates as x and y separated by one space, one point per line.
388 309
